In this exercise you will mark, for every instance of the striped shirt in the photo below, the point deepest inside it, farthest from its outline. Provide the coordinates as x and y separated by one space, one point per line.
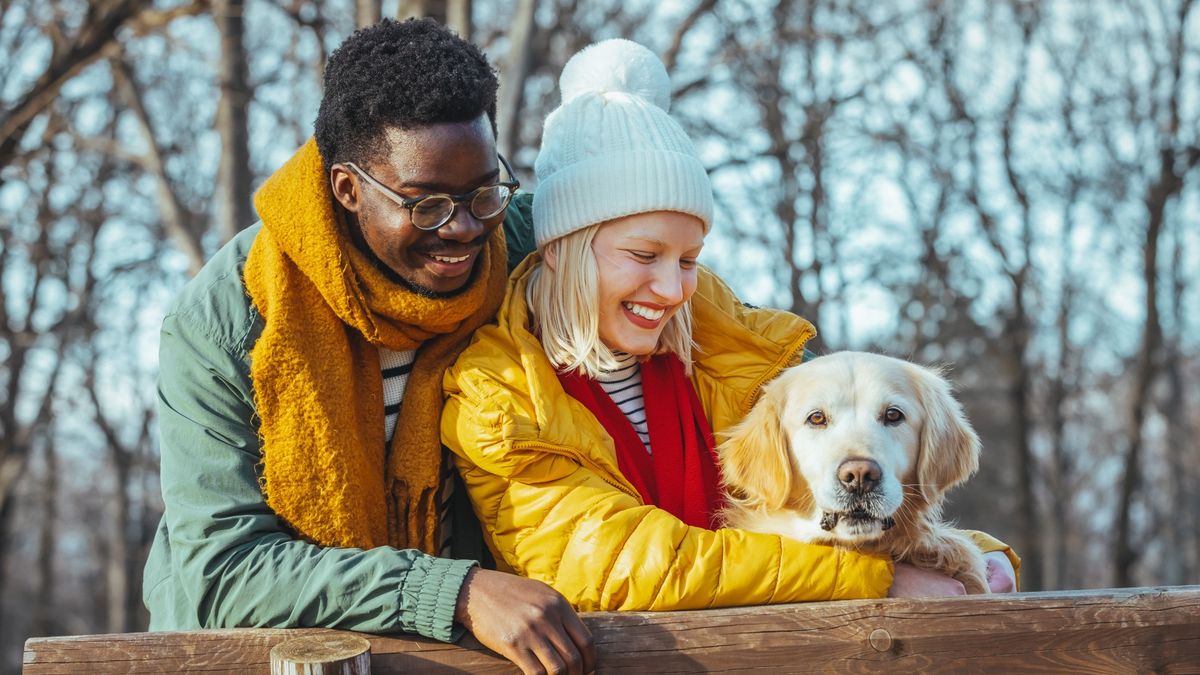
396 368
624 387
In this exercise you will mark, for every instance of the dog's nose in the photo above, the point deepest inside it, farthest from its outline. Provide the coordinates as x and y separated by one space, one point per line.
860 476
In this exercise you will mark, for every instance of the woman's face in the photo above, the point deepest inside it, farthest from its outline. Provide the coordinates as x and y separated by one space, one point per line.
647 271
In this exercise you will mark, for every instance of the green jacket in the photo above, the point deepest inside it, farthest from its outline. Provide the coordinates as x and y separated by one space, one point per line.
221 558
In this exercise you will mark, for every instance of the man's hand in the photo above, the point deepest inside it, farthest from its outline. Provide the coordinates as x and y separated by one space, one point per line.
526 622
1001 576
913 582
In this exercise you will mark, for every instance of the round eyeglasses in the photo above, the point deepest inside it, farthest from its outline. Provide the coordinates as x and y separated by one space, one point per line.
429 212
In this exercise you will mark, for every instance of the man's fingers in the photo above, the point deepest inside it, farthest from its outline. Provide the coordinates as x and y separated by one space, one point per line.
527 661
568 650
547 653
582 638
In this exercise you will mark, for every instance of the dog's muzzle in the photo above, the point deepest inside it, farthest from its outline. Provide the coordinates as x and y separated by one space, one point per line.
829 519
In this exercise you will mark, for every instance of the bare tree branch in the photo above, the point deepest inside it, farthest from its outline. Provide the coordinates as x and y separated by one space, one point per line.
703 7
175 218
99 30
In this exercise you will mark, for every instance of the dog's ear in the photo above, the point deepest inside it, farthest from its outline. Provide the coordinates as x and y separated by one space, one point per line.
756 467
949 447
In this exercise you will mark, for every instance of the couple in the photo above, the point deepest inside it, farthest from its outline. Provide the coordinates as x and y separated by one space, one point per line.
305 369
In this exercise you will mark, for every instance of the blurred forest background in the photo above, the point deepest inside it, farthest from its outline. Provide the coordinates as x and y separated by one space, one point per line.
1006 186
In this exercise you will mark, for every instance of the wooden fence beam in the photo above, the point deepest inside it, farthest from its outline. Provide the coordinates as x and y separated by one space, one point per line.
1119 630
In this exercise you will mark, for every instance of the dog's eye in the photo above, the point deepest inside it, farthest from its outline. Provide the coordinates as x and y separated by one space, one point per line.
893 415
817 418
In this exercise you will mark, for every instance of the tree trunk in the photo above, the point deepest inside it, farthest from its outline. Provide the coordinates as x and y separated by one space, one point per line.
233 208
366 13
458 17
117 563
1020 392
516 71
1168 185
7 506
454 14
42 622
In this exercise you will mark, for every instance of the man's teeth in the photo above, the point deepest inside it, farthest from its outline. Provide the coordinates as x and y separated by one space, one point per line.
645 312
450 259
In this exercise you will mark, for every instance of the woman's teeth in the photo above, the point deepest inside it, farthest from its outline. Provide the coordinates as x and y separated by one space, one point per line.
449 259
645 312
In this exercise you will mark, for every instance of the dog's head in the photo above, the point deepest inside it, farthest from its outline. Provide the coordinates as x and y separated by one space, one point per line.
851 441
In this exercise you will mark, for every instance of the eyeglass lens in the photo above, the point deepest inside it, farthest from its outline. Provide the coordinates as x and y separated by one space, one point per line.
488 202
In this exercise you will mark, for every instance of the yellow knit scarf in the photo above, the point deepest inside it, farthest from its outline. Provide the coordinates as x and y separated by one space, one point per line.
317 381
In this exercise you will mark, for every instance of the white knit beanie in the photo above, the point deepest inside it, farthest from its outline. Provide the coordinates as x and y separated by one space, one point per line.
611 150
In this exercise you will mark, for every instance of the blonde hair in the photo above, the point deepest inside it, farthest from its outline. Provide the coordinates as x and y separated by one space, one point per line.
566 313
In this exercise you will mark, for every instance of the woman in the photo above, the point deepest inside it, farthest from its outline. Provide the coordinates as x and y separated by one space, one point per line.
582 422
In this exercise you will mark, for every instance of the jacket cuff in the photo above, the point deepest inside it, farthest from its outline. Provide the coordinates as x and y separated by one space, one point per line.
429 594
862 577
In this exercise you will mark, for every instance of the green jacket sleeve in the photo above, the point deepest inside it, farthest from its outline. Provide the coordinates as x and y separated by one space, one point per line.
222 558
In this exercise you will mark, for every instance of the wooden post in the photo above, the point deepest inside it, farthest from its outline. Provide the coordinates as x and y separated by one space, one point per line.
324 654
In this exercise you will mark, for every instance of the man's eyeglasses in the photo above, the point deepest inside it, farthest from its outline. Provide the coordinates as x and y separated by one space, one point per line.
432 211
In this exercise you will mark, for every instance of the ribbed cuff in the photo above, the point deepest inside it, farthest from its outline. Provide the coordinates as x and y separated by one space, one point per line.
431 591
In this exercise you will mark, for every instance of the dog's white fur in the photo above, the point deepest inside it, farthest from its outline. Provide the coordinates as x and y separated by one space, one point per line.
780 469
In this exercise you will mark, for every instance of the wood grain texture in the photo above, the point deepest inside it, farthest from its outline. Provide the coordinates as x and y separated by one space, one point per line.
332 653
1118 631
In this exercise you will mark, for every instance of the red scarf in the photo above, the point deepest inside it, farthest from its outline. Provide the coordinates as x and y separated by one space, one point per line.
681 475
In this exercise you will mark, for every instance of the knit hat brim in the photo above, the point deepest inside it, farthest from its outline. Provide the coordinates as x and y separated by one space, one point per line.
610 186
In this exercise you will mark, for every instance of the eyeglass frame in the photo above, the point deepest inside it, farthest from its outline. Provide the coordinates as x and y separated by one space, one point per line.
410 203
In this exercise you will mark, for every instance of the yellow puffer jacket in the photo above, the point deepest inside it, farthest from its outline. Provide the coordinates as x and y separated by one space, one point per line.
542 473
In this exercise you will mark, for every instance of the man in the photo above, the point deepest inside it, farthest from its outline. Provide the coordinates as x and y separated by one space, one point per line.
300 382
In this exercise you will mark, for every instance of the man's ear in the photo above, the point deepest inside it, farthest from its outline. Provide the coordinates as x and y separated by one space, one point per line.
345 187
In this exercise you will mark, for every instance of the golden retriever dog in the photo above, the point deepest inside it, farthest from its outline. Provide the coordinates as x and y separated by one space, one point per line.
856 450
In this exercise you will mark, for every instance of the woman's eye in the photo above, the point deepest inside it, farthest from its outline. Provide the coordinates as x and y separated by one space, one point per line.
817 418
642 255
687 264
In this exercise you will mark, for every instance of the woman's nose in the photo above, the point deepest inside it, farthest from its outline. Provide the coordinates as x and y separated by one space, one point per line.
667 283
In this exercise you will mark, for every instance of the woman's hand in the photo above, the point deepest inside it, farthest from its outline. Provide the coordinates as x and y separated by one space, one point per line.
1001 576
910 581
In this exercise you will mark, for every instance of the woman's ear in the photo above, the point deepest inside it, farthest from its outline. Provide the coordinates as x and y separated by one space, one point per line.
756 466
345 188
949 447
550 254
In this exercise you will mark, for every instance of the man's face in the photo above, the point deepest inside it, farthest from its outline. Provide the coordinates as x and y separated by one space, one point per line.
452 158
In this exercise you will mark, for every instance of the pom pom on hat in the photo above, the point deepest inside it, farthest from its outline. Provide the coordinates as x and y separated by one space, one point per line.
616 66
611 149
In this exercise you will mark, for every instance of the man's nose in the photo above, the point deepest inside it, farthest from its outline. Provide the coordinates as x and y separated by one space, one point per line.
462 227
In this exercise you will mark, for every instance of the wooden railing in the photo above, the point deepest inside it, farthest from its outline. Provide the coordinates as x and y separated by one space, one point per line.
1134 630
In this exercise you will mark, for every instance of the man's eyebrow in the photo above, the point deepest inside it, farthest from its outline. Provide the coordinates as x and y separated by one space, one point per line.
450 189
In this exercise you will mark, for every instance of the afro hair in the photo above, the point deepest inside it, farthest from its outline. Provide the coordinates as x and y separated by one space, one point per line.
399 74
